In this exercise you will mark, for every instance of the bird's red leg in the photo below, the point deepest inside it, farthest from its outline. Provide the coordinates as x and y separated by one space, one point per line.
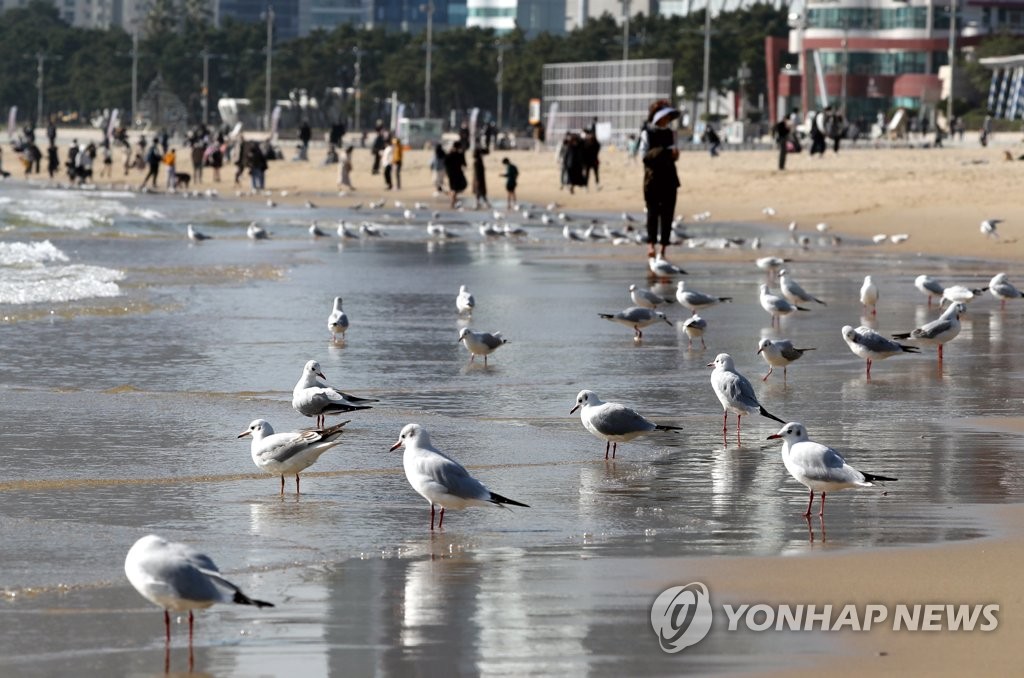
282 486
821 512
431 516
809 504
296 483
441 521
167 625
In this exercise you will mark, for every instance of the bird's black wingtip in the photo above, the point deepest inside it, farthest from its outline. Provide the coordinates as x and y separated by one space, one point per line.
243 599
766 413
910 349
498 499
871 477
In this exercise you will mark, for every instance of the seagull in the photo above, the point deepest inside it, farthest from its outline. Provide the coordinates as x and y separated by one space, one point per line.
628 218
177 577
316 231
776 306
465 301
194 235
644 297
734 392
661 266
694 300
817 467
770 264
768 211
337 322
377 204
489 231
440 231
939 331
792 290
481 343
899 238
1001 288
612 422
636 317
254 232
310 205
370 230
822 227
271 203
312 397
869 295
287 454
870 345
929 286
571 234
511 231
879 238
960 293
988 227
779 353
440 479
694 326
345 232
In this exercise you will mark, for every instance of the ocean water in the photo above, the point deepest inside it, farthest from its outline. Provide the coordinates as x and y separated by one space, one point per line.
133 358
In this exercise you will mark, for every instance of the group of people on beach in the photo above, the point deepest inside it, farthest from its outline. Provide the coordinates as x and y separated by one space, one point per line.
579 157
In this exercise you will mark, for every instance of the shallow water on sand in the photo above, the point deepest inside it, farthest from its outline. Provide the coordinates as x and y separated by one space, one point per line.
120 416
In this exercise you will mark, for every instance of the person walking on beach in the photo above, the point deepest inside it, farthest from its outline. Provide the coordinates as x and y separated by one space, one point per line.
305 134
386 158
590 151
379 142
108 160
437 165
153 161
345 170
454 161
712 139
396 162
256 161
819 124
480 177
986 129
52 161
781 134
661 182
171 160
511 181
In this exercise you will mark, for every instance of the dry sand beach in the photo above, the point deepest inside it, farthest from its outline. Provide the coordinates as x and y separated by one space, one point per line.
936 196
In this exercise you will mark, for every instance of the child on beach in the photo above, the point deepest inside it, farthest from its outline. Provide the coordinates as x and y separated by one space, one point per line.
345 169
511 179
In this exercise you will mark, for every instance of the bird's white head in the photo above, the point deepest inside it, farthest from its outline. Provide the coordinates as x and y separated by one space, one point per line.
723 361
312 367
998 278
258 429
462 333
681 286
584 398
793 432
411 434
765 343
632 288
337 302
868 280
848 333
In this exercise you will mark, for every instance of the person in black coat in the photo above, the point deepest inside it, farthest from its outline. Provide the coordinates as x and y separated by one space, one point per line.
454 161
661 182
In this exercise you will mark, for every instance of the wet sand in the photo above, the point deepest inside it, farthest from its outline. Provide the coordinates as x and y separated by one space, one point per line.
734 187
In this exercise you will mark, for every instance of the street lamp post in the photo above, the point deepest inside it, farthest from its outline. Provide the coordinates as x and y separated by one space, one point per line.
429 9
501 81
206 55
270 45
952 65
625 29
40 60
357 82
135 76
846 65
707 61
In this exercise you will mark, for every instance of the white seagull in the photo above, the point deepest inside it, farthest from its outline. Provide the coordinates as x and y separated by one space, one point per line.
793 292
312 397
254 232
641 296
942 330
734 392
929 286
315 231
480 343
464 302
636 317
694 327
661 266
870 345
1001 288
370 231
817 467
337 322
287 454
779 353
194 235
345 232
775 305
177 577
869 294
960 293
613 423
988 227
439 479
694 300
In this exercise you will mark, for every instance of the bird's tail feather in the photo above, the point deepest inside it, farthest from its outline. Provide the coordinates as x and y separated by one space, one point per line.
725 298
801 308
871 477
498 499
665 427
606 316
243 599
910 349
901 335
766 413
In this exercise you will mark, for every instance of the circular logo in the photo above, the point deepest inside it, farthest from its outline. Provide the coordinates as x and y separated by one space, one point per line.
681 616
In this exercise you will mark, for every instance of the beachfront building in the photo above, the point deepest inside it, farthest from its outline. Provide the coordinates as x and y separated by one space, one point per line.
503 16
872 56
578 12
1006 92
616 93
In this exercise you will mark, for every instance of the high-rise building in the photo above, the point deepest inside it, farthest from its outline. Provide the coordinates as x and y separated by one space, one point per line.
577 12
503 16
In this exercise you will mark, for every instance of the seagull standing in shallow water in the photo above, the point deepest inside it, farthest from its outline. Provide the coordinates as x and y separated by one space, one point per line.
287 454
337 322
929 286
779 353
464 302
817 467
481 343
613 423
1001 288
177 577
312 397
869 294
776 306
440 479
636 317
870 345
734 392
942 330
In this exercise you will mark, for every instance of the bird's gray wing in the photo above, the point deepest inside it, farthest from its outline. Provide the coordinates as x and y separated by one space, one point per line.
933 329
738 389
873 341
288 445
934 287
452 477
788 351
822 463
491 341
179 568
615 419
319 400
636 314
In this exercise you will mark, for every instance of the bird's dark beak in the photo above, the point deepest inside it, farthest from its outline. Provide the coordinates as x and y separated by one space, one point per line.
759 351
710 365
574 408
244 433
395 446
667 321
774 436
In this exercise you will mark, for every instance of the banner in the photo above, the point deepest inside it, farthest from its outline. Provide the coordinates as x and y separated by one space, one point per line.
820 72
275 121
112 125
534 116
473 115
